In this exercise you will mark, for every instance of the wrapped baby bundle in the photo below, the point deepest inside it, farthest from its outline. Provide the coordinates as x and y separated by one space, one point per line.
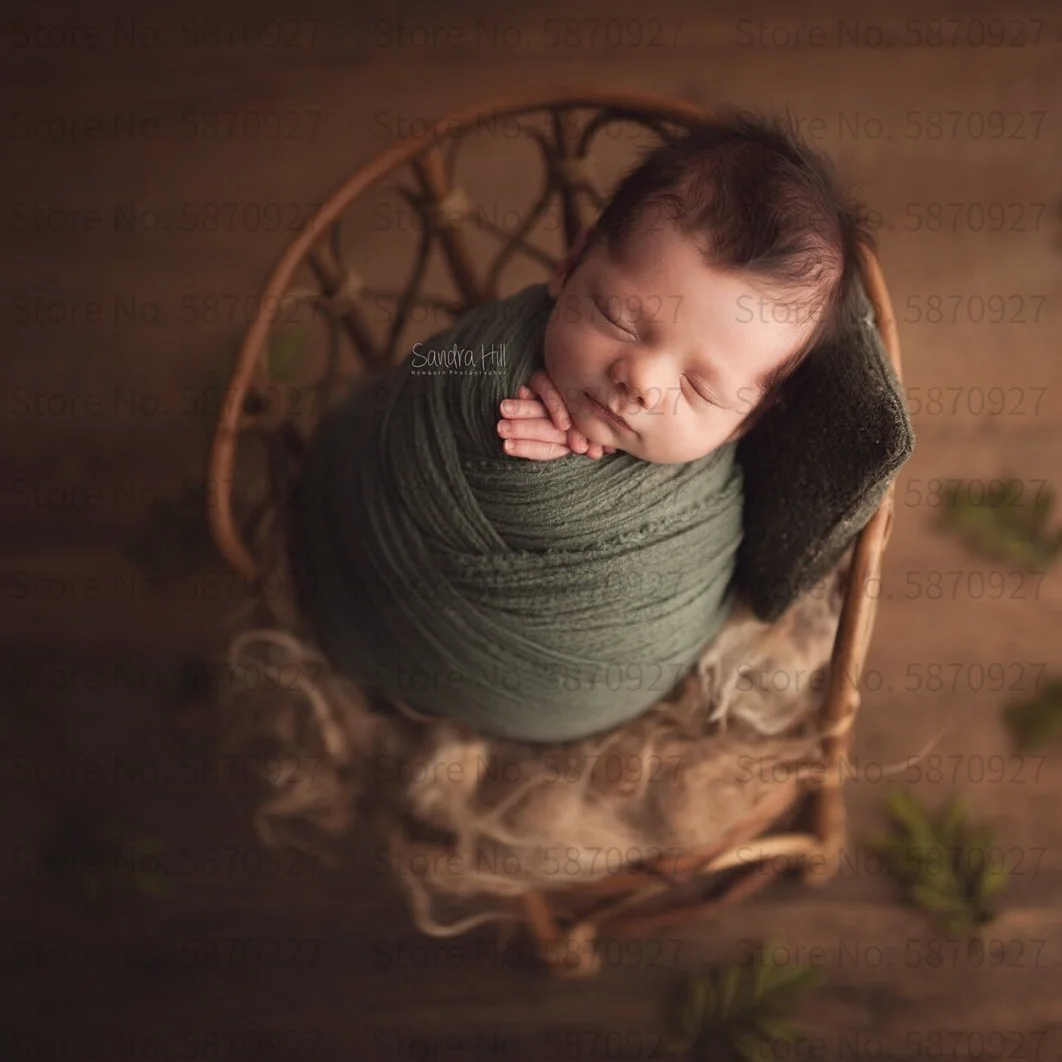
536 601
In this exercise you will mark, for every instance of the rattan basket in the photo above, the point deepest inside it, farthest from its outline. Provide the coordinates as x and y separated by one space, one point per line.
563 126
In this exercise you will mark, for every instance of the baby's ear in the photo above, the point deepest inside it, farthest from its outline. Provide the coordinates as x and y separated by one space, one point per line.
579 243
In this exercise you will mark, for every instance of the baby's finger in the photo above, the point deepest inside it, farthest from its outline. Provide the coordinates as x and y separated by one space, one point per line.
541 429
535 451
542 385
578 443
522 408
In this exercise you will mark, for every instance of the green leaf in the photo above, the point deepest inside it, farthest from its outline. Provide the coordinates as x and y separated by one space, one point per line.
731 984
776 1029
992 881
935 901
906 810
788 981
1035 721
725 1006
694 1008
904 806
1004 524
951 821
284 356
946 872
882 843
978 842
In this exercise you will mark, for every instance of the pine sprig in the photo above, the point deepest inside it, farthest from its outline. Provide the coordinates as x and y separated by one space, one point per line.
1035 721
284 353
943 861
737 1012
1003 525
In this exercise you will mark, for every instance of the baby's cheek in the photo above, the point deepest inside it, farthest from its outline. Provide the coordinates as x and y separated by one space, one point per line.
561 361
592 361
559 342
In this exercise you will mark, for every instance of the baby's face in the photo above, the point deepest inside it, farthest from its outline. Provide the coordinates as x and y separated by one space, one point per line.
674 346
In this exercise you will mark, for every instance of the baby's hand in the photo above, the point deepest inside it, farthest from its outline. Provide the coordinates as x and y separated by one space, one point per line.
531 431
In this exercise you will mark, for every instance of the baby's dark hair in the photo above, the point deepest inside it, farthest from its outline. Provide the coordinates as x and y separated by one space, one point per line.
759 201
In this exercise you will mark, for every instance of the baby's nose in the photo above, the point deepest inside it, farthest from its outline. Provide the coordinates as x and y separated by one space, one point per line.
630 396
640 381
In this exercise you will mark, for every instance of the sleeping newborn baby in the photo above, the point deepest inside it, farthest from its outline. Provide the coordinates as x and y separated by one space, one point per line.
716 267
550 600
658 354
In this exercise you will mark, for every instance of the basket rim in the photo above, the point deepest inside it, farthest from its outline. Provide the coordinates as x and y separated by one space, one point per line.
856 622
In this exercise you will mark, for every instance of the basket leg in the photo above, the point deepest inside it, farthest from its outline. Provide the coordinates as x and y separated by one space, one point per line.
822 866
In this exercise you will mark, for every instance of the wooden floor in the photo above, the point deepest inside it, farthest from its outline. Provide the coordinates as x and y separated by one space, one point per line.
104 421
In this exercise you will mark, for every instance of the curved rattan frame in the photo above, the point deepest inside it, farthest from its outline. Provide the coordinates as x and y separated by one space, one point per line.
440 203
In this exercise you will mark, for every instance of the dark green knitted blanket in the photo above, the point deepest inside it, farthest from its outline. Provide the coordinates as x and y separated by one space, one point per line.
542 601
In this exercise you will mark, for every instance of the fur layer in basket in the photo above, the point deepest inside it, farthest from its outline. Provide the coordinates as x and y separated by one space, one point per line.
471 819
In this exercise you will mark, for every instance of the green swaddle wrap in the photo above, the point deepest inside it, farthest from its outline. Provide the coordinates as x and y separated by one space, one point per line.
533 600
